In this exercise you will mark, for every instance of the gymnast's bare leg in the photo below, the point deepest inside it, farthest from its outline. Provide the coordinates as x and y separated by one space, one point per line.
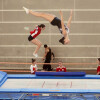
48 17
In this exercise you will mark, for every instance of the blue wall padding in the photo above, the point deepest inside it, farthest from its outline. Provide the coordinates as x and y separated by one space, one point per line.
60 73
3 77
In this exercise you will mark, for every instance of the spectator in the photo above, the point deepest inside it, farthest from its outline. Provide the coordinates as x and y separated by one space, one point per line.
47 57
33 67
60 68
98 69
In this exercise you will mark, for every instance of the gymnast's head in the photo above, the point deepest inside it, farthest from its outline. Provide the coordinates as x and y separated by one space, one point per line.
64 40
42 26
60 63
45 45
98 61
33 61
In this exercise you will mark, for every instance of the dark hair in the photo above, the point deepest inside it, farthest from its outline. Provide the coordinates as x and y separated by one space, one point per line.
98 59
33 60
62 40
41 25
45 46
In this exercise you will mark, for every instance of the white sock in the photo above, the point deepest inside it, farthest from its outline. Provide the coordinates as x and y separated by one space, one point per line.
27 10
36 55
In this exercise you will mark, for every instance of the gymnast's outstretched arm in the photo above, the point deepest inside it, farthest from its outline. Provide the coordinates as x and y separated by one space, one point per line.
62 24
70 19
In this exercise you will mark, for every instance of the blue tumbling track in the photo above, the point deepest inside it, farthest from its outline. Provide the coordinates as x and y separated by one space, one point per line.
18 92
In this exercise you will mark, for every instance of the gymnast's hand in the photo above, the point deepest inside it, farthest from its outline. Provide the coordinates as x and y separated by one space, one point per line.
71 12
60 12
66 41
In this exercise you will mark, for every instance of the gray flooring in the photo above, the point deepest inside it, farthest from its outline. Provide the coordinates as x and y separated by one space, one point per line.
52 83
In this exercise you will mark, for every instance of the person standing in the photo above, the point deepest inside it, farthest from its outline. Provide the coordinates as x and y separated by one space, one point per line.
48 56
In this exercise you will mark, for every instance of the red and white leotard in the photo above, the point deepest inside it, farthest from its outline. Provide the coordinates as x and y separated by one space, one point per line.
98 69
61 69
36 32
33 69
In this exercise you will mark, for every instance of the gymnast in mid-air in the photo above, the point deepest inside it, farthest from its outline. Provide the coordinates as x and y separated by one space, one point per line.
33 35
64 29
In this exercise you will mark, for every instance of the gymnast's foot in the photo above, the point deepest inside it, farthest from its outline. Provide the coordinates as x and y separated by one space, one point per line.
35 54
27 10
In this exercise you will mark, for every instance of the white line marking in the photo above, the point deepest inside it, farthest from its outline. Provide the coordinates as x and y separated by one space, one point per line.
51 10
57 46
50 34
2 9
74 10
42 57
29 22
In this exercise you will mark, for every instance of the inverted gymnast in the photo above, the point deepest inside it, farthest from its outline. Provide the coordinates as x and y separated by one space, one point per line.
33 35
64 29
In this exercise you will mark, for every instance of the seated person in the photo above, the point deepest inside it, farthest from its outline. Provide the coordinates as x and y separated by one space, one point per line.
98 69
33 67
60 68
